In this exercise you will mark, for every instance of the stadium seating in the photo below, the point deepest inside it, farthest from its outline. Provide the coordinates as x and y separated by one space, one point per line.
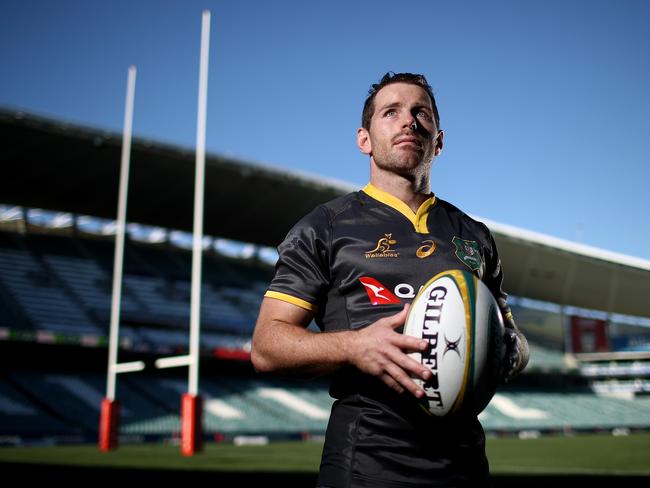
561 411
63 404
24 417
62 284
43 298
548 359
57 289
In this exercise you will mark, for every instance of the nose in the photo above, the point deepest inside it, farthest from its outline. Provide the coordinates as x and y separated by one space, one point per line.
410 122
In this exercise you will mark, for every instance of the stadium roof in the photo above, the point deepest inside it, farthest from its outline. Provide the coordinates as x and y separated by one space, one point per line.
57 166
550 269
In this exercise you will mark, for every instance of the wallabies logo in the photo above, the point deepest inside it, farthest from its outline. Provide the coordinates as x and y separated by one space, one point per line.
383 248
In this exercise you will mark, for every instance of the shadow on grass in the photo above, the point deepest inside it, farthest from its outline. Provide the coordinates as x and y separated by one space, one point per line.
85 476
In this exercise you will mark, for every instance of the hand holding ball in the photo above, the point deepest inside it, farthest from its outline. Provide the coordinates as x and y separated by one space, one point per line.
460 318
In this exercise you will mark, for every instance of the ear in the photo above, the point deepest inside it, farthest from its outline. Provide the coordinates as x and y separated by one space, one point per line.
363 141
438 143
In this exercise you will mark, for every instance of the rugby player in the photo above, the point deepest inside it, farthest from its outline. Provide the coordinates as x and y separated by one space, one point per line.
353 265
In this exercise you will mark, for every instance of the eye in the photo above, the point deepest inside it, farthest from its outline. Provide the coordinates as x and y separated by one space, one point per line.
390 113
423 114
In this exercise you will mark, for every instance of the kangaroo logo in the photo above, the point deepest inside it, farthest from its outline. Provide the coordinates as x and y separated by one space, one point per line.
383 248
378 293
383 244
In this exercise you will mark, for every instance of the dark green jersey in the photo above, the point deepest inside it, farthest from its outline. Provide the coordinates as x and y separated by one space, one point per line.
355 260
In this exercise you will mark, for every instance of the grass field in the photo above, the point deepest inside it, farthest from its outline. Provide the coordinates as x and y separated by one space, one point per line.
579 455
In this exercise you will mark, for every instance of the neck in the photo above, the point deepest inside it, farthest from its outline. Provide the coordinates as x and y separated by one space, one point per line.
412 190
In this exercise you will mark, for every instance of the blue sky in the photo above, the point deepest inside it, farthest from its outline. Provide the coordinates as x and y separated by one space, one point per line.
545 104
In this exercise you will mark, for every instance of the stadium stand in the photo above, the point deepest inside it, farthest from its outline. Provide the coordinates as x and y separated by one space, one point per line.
24 417
55 289
62 285
65 406
55 292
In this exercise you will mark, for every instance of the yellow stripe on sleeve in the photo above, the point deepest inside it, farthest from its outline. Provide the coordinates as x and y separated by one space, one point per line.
291 299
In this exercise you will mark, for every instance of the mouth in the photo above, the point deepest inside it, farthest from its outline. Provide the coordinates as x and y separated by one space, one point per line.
403 141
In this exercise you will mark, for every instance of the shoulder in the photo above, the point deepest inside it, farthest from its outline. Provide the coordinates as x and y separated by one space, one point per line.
317 225
328 212
461 218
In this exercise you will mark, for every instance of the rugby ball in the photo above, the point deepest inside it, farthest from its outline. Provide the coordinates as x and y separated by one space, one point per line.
459 316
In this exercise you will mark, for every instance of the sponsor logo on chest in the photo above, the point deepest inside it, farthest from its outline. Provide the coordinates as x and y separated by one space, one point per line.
384 248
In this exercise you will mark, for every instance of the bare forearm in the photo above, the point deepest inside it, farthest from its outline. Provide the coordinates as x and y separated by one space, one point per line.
284 347
282 343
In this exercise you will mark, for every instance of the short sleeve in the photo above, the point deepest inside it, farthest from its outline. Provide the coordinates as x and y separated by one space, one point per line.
302 270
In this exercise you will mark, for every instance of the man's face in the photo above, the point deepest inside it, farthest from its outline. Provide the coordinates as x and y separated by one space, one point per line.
403 137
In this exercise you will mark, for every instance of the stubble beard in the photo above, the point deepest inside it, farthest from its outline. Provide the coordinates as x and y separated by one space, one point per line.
410 164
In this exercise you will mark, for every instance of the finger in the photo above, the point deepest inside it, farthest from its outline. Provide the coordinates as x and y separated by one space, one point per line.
409 365
388 379
398 319
404 380
410 344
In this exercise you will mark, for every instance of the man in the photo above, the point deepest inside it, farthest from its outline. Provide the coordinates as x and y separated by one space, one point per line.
354 264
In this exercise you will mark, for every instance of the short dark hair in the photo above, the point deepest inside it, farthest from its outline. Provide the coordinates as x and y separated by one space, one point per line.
388 79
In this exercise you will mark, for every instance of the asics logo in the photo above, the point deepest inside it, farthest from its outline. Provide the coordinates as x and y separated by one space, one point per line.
426 249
